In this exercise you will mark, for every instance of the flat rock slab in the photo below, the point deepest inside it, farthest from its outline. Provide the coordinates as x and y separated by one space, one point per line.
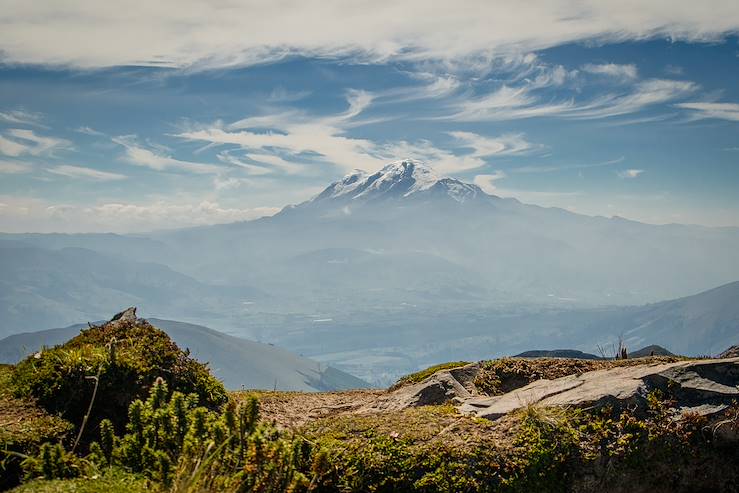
706 385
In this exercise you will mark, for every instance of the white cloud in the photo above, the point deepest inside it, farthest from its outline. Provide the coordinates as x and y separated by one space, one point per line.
11 148
722 111
227 183
630 173
292 134
12 168
612 70
487 182
158 159
188 32
89 131
21 215
280 142
251 169
443 161
87 173
18 142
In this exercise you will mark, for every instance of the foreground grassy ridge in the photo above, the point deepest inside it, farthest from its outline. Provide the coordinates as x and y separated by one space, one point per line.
170 442
499 376
433 449
124 358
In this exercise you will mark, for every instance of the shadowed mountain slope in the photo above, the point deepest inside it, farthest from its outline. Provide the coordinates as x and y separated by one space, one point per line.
235 361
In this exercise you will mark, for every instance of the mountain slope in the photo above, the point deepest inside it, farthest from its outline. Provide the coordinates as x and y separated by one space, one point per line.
41 286
394 269
237 362
705 323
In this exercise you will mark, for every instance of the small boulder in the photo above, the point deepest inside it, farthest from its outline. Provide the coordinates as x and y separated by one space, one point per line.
453 385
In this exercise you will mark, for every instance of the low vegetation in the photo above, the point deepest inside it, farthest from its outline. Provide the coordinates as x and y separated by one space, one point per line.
180 432
24 427
537 449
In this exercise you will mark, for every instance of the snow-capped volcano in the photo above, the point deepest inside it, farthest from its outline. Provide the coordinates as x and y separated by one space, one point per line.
398 179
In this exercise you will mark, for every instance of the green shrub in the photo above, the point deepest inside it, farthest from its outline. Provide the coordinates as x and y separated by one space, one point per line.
183 446
123 359
24 427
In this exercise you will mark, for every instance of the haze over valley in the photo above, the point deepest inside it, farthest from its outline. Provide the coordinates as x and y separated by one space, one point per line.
383 273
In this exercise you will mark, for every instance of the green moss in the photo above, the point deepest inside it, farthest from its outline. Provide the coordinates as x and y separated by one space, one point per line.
125 358
24 427
420 376
113 481
422 449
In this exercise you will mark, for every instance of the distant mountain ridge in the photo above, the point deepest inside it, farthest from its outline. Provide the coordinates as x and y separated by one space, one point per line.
556 353
238 362
400 267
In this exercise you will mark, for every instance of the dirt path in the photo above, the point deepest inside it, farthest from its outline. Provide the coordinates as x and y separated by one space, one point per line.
295 409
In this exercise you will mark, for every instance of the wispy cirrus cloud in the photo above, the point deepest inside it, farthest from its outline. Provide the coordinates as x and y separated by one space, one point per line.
283 141
17 142
721 111
551 168
21 117
504 145
513 103
280 140
158 159
72 171
14 167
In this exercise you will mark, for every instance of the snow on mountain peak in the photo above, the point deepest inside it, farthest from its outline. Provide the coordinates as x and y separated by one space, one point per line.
397 179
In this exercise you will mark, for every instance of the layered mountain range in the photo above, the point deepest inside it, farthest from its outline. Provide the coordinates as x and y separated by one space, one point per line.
389 268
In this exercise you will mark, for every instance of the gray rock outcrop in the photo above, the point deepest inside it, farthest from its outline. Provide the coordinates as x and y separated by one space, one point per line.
703 386
453 385
127 315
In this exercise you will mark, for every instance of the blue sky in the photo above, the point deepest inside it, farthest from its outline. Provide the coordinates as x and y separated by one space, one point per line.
122 122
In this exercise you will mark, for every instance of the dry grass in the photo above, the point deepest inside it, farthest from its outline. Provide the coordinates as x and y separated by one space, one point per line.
295 409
